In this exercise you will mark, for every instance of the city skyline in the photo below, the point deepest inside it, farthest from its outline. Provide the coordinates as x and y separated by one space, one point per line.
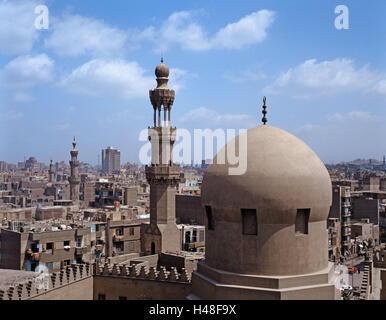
329 92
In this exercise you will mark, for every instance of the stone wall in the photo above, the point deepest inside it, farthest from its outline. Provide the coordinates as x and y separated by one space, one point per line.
72 283
88 282
140 283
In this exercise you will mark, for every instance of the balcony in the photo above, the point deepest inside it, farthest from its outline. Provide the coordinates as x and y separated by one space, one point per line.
118 238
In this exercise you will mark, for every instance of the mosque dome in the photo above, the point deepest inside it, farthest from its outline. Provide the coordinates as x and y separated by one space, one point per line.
281 172
162 70
283 180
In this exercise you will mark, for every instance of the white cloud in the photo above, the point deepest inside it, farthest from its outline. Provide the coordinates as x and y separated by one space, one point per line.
75 35
22 97
111 78
245 76
211 117
27 71
17 26
249 30
181 28
313 78
116 78
178 77
354 115
10 115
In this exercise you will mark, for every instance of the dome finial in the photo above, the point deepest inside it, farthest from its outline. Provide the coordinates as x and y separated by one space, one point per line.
162 58
74 143
264 111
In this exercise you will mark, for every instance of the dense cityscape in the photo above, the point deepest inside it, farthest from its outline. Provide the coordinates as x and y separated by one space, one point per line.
225 214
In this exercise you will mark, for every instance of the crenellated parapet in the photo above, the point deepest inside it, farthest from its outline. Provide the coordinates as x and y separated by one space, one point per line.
47 282
142 272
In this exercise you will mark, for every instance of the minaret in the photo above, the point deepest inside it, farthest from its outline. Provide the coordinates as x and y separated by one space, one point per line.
51 173
162 234
74 178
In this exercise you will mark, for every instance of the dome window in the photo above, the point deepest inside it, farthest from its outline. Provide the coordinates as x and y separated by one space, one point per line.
249 221
209 216
301 223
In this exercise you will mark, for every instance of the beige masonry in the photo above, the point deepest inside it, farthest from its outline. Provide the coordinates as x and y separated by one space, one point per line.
286 191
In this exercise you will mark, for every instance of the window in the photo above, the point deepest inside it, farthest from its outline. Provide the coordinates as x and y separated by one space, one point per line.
187 237
66 243
101 297
194 236
79 242
249 221
301 223
209 216
49 246
119 232
119 246
202 236
131 231
131 246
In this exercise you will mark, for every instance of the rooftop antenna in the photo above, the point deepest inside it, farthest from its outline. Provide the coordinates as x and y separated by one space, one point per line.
264 111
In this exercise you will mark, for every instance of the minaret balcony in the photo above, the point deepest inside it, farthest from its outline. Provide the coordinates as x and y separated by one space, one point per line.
162 172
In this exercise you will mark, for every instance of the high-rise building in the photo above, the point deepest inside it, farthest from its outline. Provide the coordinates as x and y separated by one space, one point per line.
162 235
111 160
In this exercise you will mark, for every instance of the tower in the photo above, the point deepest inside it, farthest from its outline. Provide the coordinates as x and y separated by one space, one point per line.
162 234
51 172
74 178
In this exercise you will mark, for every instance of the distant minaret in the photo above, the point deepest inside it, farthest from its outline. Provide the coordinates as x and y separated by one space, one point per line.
162 234
51 172
74 178
384 160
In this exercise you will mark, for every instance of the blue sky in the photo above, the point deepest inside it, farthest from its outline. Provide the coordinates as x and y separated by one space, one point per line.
89 74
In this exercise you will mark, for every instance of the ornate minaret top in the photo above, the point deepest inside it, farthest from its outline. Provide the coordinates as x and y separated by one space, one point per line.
162 97
264 111
74 152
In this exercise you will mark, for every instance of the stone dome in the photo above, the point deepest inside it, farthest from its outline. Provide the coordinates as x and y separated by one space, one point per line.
162 70
282 172
284 179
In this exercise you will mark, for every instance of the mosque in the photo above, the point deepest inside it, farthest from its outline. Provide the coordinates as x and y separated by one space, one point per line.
265 232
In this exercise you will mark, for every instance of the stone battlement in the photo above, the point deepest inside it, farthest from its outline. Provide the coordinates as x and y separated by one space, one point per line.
143 272
47 282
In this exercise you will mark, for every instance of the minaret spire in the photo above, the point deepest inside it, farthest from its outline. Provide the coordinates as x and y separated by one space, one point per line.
264 111
74 144
51 172
162 234
74 177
